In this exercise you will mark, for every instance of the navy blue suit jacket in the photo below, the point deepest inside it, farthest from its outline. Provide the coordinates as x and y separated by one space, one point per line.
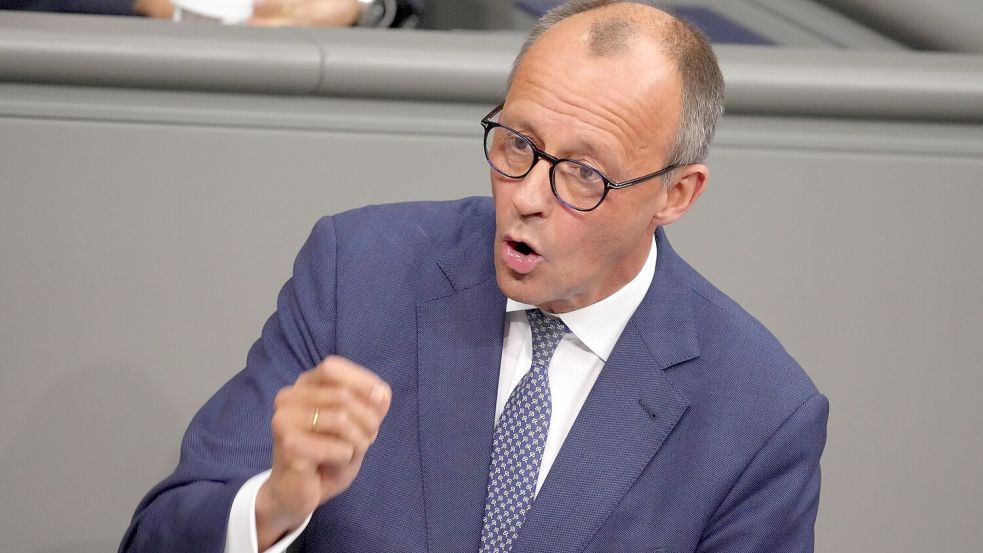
701 433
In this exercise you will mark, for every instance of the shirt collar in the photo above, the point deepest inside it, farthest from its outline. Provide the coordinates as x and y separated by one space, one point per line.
600 324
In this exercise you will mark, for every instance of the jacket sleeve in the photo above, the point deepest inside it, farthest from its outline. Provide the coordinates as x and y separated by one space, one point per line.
772 506
229 440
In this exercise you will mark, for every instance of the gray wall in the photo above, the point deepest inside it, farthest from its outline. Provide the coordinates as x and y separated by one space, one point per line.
144 234
948 25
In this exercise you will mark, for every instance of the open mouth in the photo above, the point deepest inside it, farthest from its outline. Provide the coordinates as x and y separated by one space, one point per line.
520 256
521 247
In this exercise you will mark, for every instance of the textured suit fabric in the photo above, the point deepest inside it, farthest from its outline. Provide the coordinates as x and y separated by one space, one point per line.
700 434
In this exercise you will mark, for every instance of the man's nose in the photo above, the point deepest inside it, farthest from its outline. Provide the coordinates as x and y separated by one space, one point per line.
533 193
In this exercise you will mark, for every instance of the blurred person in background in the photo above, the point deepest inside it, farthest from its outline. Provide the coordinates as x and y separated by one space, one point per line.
301 13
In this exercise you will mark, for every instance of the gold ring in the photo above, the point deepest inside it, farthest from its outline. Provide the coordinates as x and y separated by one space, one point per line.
317 413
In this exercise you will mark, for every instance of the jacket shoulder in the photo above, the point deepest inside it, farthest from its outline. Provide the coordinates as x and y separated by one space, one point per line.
436 221
741 362
394 248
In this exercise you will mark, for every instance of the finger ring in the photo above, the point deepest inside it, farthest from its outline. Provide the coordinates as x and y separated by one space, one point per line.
317 413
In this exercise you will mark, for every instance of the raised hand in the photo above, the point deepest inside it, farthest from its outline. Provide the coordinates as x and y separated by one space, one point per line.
322 427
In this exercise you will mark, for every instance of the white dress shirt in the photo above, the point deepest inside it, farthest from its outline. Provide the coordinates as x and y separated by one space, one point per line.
574 368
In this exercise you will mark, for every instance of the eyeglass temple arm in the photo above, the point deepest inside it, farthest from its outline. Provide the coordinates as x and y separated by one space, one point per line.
493 112
658 173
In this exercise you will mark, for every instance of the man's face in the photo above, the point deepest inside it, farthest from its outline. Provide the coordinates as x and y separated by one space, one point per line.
617 113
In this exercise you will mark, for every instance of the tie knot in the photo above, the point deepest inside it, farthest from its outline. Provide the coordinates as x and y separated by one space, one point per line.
546 335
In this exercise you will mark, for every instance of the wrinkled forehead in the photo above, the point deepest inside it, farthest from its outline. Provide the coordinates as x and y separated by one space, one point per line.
627 95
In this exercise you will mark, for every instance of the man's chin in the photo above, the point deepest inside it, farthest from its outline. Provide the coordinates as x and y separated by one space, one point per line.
517 286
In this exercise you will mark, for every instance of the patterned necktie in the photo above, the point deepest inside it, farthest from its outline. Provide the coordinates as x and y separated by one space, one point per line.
520 437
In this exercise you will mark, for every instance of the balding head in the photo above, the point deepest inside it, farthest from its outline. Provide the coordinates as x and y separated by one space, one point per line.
616 26
611 36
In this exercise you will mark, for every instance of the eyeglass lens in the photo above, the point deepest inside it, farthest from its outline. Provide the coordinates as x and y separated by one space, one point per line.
511 154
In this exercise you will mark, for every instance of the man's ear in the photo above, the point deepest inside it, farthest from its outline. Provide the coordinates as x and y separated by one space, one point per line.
688 183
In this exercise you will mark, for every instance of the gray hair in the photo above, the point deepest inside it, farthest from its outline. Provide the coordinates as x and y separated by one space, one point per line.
686 46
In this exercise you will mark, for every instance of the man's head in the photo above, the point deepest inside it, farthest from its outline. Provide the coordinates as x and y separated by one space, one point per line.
627 89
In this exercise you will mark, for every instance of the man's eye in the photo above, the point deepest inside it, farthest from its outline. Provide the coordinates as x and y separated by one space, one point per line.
518 144
586 174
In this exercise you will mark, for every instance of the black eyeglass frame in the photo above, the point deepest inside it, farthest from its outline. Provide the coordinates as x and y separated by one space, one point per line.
538 154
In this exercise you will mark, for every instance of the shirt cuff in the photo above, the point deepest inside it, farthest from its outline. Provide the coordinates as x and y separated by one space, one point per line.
240 536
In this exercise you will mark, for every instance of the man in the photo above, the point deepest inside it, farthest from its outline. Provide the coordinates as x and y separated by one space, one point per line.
536 373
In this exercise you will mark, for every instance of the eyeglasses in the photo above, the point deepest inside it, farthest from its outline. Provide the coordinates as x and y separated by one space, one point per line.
577 185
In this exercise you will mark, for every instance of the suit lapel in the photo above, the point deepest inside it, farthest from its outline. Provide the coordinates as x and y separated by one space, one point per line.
629 413
460 350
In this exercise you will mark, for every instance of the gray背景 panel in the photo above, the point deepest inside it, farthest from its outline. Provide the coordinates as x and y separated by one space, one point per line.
948 25
115 51
837 30
456 67
143 251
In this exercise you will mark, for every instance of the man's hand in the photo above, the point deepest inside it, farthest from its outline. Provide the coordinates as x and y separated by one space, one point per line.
305 13
322 427
159 9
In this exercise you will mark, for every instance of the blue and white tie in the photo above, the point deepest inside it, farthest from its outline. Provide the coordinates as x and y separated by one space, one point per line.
520 437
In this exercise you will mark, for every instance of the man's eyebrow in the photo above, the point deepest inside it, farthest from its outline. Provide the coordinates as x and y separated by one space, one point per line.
520 125
603 160
579 146
590 149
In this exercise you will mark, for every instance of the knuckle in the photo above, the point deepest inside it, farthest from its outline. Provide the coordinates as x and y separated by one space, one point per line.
346 452
278 423
328 364
282 397
291 446
339 452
